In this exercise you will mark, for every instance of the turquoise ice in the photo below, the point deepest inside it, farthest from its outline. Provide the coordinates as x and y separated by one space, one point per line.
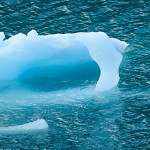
23 52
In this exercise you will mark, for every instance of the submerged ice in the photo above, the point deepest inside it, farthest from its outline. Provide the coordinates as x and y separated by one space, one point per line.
21 53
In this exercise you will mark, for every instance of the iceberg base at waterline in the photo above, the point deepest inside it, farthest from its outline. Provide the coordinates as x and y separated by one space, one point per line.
21 53
36 126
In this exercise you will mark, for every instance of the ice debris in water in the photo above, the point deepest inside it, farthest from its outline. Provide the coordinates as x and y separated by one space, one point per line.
21 53
37 125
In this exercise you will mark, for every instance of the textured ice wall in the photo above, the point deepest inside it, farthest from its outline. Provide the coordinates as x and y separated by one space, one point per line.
39 124
20 53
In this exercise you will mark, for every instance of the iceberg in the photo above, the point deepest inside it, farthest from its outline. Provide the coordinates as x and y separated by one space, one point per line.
37 125
21 53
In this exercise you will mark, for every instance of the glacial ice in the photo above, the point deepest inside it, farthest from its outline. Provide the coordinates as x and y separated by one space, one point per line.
37 125
2 36
23 52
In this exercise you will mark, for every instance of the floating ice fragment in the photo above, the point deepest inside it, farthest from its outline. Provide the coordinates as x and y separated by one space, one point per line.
37 125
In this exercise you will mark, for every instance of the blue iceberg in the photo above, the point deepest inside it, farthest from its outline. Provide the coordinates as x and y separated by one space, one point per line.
24 52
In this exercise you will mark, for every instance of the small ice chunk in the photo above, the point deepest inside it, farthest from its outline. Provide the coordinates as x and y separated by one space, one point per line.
39 124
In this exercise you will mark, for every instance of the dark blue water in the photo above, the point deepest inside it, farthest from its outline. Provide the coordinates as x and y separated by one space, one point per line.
79 118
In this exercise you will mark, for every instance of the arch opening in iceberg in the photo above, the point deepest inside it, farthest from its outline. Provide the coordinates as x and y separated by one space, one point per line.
60 77
21 53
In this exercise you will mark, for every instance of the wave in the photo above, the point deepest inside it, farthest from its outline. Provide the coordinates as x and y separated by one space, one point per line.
22 53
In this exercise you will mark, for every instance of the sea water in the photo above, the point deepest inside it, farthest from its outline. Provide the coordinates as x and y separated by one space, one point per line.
78 117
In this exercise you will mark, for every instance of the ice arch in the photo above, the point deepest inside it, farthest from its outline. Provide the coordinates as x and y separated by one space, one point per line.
20 53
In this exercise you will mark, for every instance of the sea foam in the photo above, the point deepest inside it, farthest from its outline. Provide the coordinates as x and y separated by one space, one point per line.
23 52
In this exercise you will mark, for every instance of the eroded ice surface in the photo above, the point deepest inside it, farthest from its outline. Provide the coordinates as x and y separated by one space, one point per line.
37 125
21 53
